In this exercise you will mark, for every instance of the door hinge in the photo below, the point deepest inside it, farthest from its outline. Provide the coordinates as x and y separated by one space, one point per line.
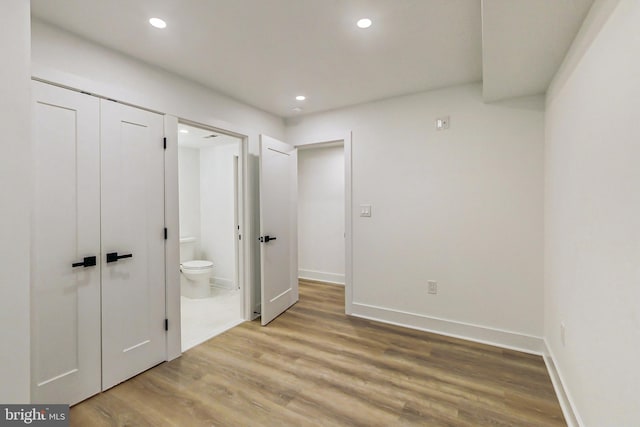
166 324
164 141
166 233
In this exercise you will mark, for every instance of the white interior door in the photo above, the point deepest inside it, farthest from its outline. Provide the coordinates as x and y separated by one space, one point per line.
133 281
278 227
66 232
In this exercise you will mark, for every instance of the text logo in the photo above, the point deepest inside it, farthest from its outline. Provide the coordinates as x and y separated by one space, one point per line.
34 415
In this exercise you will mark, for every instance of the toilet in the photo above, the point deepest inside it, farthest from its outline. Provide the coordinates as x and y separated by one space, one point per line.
194 273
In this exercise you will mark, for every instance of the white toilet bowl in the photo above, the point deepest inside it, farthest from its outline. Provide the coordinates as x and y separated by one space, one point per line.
194 280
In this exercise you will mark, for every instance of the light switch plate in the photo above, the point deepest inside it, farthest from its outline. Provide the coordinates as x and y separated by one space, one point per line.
365 211
442 123
433 286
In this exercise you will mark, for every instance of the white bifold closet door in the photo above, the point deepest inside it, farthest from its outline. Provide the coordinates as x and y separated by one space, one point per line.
133 286
99 192
65 324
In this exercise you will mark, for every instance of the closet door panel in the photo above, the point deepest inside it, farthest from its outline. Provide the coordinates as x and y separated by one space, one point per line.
65 230
133 282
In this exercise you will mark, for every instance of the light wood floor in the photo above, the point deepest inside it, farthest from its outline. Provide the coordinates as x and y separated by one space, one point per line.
314 366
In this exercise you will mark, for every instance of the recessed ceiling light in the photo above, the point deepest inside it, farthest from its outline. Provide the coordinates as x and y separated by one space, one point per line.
300 98
184 131
296 109
364 23
158 23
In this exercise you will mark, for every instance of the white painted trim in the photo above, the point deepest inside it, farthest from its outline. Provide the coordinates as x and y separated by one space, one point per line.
346 138
247 275
172 244
321 276
348 256
467 331
567 405
245 209
251 186
236 220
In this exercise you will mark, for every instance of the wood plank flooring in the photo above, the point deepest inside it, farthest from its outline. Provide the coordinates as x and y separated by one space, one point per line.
314 366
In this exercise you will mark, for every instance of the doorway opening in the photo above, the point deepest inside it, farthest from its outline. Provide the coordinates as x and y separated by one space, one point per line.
322 218
210 210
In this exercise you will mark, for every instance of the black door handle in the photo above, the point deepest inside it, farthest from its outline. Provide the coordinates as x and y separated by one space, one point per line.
266 239
113 256
89 261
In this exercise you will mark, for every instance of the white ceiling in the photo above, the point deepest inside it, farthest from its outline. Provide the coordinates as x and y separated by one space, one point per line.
197 137
524 43
265 52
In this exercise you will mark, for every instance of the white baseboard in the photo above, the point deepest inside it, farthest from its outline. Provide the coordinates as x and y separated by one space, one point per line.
221 282
467 331
571 416
321 276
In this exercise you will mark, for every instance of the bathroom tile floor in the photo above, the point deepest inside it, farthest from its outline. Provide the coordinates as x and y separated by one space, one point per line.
205 318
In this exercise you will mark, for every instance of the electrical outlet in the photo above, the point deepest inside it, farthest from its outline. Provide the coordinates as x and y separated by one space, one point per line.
365 211
562 333
433 286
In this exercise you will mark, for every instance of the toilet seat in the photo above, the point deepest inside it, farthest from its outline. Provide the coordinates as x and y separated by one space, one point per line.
197 265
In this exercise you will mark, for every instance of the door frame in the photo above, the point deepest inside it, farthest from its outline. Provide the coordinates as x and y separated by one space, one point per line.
237 213
172 249
346 139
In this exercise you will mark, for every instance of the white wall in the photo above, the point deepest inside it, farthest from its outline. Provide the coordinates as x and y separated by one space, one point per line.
64 58
189 187
217 210
592 217
15 207
321 214
462 207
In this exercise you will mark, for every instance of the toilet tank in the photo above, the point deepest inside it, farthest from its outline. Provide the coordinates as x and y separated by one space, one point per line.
188 248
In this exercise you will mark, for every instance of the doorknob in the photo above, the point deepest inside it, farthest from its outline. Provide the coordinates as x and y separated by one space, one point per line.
88 261
266 239
113 256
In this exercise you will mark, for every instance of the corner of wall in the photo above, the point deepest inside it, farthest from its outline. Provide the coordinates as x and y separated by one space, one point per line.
597 17
569 411
16 181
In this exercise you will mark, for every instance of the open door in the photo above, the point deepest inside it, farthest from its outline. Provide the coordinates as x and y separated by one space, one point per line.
278 227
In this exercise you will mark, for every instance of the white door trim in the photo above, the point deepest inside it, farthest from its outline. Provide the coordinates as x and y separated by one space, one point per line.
237 179
345 139
172 244
174 340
